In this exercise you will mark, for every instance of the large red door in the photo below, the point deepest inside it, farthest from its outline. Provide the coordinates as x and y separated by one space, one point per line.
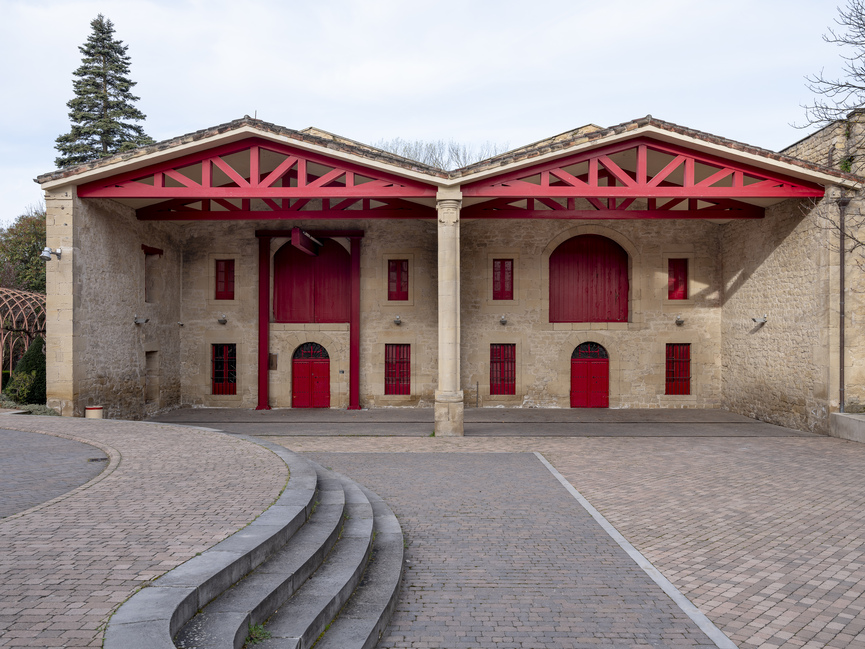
310 377
590 377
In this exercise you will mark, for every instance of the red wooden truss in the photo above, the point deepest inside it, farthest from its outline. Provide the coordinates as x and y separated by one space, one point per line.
637 179
260 179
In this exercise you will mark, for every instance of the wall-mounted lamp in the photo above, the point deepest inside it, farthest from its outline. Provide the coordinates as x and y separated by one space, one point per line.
179 324
679 321
397 321
503 320
47 252
222 319
140 320
761 321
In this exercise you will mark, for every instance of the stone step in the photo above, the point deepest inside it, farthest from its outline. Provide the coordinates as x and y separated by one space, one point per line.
305 616
152 616
363 619
224 623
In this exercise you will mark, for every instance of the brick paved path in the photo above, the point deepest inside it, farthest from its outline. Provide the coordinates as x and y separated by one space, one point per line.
36 468
500 555
168 493
766 536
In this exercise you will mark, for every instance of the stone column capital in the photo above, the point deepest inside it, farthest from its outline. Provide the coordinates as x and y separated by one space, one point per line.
448 210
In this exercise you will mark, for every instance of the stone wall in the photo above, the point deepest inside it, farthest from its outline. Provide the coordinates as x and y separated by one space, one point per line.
779 267
103 276
636 348
383 240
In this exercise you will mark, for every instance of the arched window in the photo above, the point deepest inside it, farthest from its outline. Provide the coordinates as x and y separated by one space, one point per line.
312 289
589 281
310 350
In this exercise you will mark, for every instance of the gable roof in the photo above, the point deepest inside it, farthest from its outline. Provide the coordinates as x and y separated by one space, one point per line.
581 138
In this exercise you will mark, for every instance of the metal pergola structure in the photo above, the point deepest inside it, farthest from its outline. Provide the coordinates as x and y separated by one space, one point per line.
22 319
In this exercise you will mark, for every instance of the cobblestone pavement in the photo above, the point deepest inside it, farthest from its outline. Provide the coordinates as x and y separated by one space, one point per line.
500 555
168 493
766 536
36 468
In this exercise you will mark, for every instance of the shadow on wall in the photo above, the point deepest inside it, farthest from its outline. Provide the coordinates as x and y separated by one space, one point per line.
766 236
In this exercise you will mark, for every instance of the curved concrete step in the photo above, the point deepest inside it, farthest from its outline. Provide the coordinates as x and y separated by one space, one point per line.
304 617
152 616
365 616
224 623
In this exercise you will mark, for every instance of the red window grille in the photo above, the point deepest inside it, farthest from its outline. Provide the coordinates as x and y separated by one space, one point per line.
224 279
678 368
677 279
397 369
503 368
224 369
503 279
397 279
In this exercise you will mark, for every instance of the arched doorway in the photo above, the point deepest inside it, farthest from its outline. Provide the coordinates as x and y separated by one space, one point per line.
590 376
310 377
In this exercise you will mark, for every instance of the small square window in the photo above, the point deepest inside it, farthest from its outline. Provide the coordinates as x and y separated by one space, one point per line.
223 371
678 368
503 279
503 368
224 279
397 279
677 279
397 369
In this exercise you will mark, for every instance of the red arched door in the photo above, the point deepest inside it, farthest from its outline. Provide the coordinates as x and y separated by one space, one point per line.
310 377
590 377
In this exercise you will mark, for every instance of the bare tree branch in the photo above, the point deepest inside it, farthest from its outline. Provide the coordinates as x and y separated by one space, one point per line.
440 154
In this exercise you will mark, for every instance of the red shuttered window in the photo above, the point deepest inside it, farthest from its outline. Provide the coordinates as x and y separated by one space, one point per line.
677 279
503 368
223 371
503 279
397 279
678 368
224 279
397 369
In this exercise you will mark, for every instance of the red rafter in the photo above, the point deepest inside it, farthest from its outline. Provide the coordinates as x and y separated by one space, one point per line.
605 178
337 180
350 208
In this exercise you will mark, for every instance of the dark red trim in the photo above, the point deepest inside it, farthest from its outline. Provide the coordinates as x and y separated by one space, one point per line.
263 322
302 242
150 250
354 329
315 233
553 178
340 181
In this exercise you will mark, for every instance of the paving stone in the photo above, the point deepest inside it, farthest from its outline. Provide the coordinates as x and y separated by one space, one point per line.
500 555
172 492
37 468
740 526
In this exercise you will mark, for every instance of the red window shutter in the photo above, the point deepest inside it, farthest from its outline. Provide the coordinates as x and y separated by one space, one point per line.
503 368
503 279
224 279
223 371
677 279
397 369
678 368
397 279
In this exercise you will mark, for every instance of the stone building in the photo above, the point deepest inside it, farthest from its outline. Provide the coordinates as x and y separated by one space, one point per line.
643 265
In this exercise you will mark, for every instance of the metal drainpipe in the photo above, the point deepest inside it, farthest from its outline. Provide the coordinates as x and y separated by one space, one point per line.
842 211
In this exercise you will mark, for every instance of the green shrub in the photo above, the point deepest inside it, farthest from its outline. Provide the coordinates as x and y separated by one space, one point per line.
27 384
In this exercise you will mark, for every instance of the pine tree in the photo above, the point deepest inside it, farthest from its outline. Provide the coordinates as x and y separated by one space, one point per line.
102 110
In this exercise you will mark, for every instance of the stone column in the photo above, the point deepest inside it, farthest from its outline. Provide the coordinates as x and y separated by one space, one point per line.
449 396
61 301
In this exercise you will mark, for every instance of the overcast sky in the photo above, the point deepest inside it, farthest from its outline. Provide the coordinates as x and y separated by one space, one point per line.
473 71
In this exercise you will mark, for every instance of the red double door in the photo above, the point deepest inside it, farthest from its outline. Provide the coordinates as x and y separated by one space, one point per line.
310 383
590 383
